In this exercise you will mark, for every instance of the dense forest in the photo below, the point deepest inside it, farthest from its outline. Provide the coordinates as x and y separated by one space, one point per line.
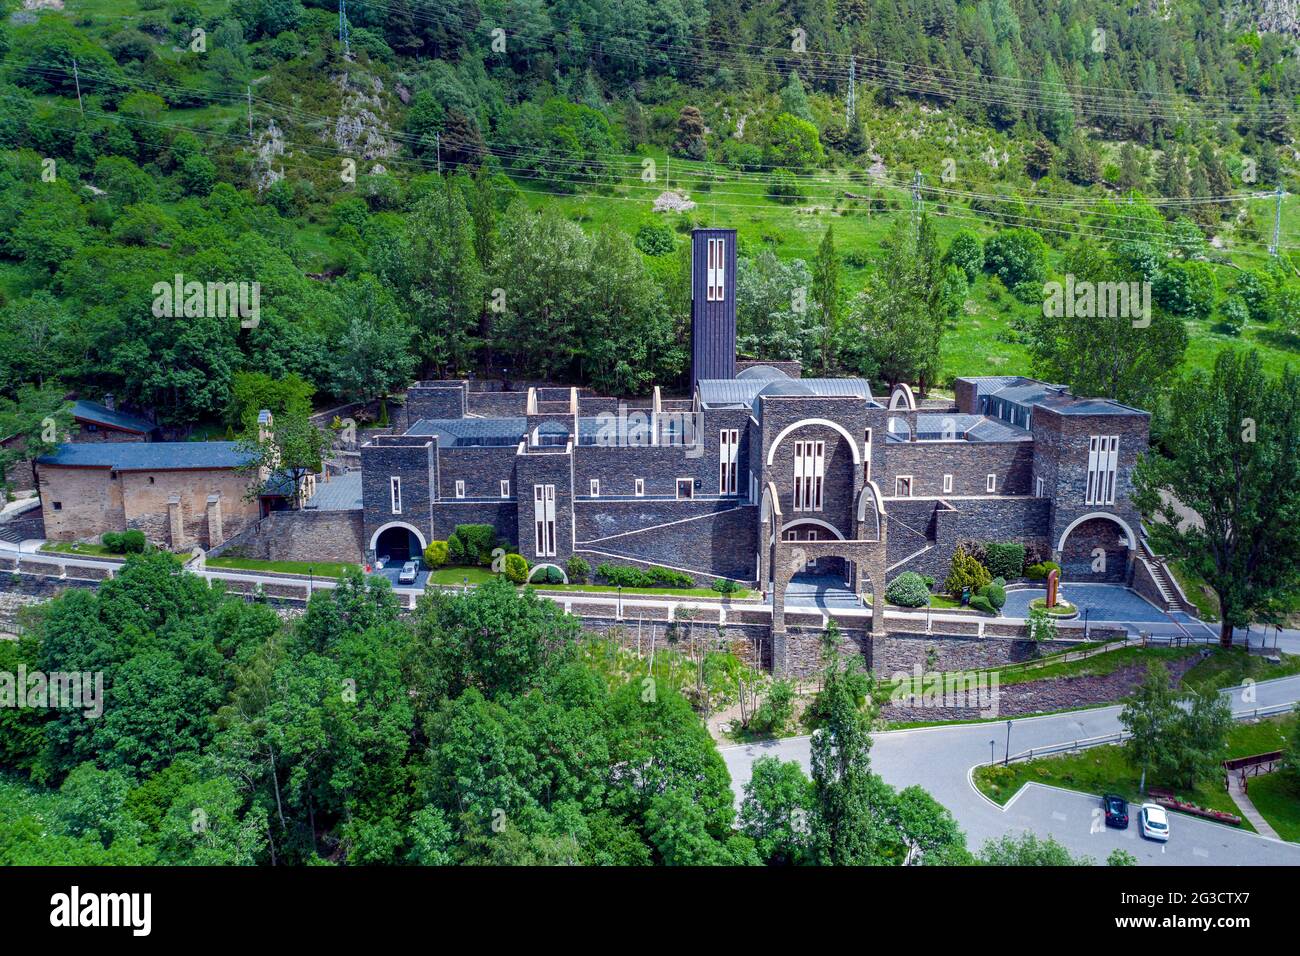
503 190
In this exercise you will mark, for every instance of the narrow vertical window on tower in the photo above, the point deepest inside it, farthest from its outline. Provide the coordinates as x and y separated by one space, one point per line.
728 445
717 271
809 474
544 519
1103 463
798 475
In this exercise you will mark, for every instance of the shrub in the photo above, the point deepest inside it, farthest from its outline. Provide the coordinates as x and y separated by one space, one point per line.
479 540
1019 258
995 594
435 555
455 550
577 569
908 590
966 252
980 603
516 568
133 541
654 239
653 577
1040 570
776 711
965 572
725 586
112 540
1004 560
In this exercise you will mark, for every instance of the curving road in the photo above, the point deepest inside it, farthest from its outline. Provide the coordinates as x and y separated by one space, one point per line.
940 760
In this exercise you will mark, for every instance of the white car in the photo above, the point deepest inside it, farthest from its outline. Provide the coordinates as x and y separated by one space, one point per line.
1155 822
407 575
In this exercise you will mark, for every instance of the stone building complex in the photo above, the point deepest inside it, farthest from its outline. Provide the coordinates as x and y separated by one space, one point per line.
761 475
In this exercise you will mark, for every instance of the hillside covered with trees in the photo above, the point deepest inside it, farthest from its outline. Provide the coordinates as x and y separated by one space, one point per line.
450 188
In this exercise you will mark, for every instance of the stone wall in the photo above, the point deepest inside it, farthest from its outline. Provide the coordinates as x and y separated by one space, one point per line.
304 536
710 538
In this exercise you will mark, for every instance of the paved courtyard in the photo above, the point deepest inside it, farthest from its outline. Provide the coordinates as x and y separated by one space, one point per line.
1102 602
820 590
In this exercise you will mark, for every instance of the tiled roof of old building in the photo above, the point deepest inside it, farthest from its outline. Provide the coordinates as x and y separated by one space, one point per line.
149 456
735 392
98 414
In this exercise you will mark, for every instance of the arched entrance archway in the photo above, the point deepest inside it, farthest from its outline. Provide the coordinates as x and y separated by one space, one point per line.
399 541
1096 547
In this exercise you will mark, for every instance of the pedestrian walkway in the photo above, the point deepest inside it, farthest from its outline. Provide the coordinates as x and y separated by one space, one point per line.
1248 810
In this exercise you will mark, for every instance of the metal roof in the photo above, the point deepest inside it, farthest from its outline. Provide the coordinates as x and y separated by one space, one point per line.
719 393
149 456
957 427
471 432
98 414
340 493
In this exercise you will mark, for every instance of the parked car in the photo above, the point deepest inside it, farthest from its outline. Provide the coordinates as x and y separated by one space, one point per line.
408 573
1155 822
1116 808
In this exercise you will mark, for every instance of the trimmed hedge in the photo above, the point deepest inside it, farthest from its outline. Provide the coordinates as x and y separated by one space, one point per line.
477 542
516 568
577 569
980 603
435 555
995 594
131 541
908 590
1004 560
1039 571
653 577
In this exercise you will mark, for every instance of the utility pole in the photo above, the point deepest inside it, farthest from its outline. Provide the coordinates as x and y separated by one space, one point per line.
851 104
437 149
344 38
76 78
916 199
250 111
1275 246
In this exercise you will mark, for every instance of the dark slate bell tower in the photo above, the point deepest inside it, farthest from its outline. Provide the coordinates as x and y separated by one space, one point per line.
713 304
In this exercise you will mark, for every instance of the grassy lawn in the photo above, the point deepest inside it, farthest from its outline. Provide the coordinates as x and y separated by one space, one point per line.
1228 668
83 548
1197 591
478 575
1107 770
938 601
460 576
1279 804
1098 665
680 592
1061 610
321 569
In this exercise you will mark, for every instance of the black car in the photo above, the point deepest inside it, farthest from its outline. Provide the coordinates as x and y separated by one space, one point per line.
1116 811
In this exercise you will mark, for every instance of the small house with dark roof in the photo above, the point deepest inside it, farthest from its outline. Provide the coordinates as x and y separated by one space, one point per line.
178 493
104 423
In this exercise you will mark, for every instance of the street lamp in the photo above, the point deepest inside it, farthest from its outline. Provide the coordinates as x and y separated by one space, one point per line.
993 759
620 602
311 579
1008 758
1086 611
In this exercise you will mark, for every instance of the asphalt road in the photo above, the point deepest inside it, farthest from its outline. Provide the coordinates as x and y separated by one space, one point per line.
940 759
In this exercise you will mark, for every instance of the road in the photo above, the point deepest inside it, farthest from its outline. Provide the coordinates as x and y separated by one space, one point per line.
940 760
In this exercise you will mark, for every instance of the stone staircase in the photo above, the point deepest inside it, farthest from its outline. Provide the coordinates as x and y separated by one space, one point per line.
8 537
1169 593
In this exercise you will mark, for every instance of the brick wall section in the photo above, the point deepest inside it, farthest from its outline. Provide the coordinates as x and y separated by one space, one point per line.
545 468
30 524
969 464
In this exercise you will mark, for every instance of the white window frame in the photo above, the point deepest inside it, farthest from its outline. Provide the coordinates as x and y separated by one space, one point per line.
728 449
460 489
505 487
1038 487
991 484
809 474
1103 469
640 487
715 275
594 487
947 484
690 483
544 520
898 486
395 494
866 457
